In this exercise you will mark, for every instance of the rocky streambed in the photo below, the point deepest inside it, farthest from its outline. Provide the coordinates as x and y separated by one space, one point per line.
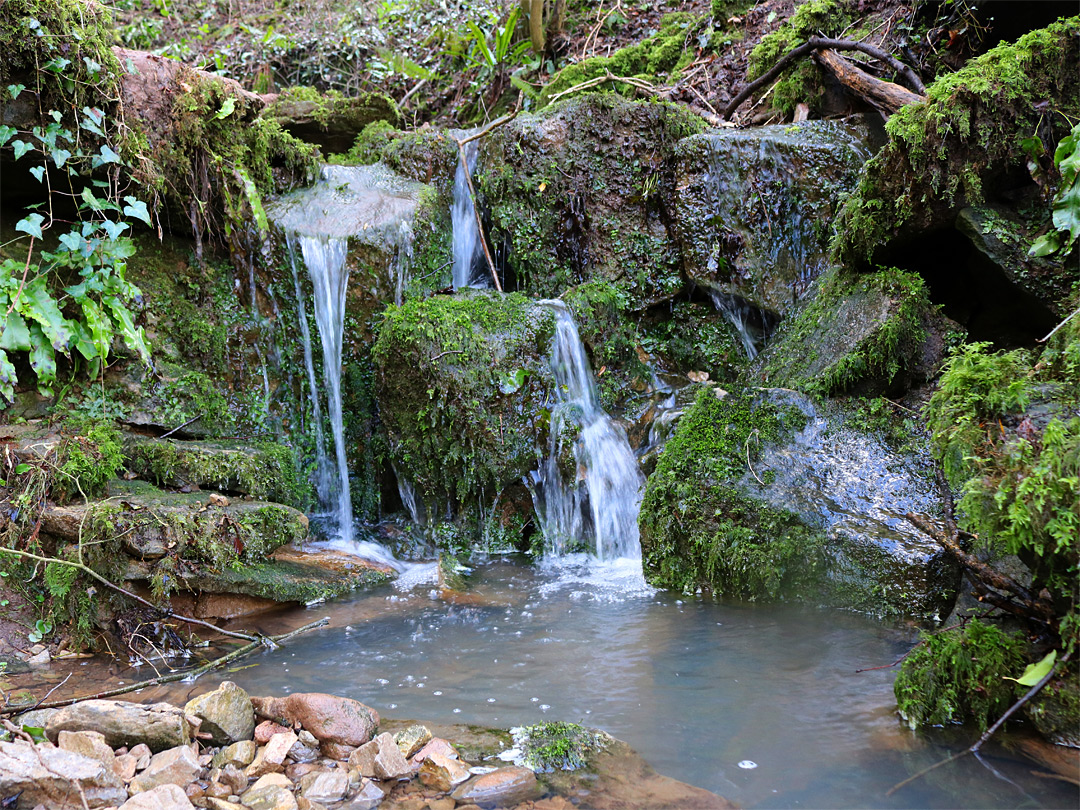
226 750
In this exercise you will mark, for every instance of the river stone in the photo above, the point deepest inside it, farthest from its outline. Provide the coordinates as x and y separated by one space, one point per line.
267 729
303 751
223 804
44 776
226 714
142 754
239 754
271 757
232 778
412 739
159 725
332 720
90 744
442 773
435 746
304 803
269 797
381 758
504 787
163 797
177 766
368 797
325 786
125 766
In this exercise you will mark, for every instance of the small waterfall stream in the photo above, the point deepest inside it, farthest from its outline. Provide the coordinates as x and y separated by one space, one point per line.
737 313
599 508
466 245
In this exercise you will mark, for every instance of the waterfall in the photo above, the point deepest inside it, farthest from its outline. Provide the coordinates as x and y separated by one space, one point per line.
737 312
324 257
466 244
599 507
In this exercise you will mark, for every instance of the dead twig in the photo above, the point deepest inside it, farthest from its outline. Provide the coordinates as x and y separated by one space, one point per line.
1052 331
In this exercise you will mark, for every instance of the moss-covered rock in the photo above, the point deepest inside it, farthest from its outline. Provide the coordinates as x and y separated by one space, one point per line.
1055 711
331 120
866 334
462 383
580 190
752 206
969 144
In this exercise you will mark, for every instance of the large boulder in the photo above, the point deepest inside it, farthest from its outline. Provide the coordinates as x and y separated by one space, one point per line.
337 723
158 725
226 714
759 496
749 205
45 776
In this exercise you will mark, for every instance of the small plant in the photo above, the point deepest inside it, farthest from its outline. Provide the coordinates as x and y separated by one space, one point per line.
562 746
1066 205
42 628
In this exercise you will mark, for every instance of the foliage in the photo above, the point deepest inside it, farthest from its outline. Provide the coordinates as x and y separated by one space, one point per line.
547 747
88 458
68 294
1066 204
959 675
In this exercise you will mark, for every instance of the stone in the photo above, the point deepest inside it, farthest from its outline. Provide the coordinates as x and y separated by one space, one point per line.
504 787
163 797
271 757
44 776
436 746
304 803
233 778
225 712
368 797
176 766
241 754
381 758
298 770
158 725
125 766
412 739
37 718
90 744
304 752
336 751
269 797
279 779
442 773
142 754
325 786
223 804
329 718
267 729
39 660
441 804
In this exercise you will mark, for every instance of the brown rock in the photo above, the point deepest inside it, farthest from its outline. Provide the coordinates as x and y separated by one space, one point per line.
124 766
159 725
412 739
325 786
270 797
225 712
441 804
88 743
239 754
437 745
336 751
442 773
142 754
381 758
177 766
44 776
267 729
278 779
298 770
504 787
331 719
163 797
222 804
234 779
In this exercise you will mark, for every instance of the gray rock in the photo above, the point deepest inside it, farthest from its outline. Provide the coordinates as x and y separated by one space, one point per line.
163 797
368 797
90 744
44 776
381 758
269 797
159 725
325 786
177 766
226 713
504 788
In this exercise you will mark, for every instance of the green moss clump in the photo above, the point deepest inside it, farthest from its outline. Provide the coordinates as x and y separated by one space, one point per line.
665 53
88 457
547 747
369 144
694 336
462 384
959 675
967 138
698 530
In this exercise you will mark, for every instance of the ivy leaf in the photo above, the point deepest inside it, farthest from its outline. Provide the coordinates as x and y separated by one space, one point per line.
113 229
1037 671
8 377
38 172
16 335
39 306
107 155
42 359
96 203
91 65
30 224
15 89
227 108
513 381
56 65
72 240
136 208
21 147
7 133
60 157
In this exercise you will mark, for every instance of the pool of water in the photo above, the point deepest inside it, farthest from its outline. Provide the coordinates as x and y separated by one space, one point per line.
761 704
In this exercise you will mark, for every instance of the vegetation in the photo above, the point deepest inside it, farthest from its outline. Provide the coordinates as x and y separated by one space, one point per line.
547 747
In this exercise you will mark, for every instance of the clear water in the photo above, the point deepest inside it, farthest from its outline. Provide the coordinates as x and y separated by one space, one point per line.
737 313
599 509
466 238
695 686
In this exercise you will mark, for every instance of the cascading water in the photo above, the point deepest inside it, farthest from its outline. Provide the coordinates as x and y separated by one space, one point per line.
599 507
737 313
466 244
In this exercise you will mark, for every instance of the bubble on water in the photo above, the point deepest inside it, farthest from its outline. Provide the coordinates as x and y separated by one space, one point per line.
748 765
392 706
457 711
437 692
382 681
420 686
544 707
535 700
491 700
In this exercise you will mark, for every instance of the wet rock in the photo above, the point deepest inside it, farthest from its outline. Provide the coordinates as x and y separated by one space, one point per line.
176 766
267 729
303 751
142 754
331 719
381 758
159 725
223 804
233 778
226 714
442 773
325 786
304 803
435 746
368 797
271 757
163 797
43 775
239 754
504 787
90 744
40 659
125 766
412 739
1055 712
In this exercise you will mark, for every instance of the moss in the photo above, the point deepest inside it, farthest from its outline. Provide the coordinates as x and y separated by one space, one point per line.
462 383
547 747
88 457
666 52
858 333
698 530
695 337
957 676
370 143
965 143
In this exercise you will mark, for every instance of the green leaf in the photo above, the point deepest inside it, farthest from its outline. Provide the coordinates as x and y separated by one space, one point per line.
83 341
91 65
107 155
7 133
38 172
227 108
60 157
1037 671
1067 212
56 65
100 328
22 469
89 199
21 147
16 335
30 224
8 377
37 733
37 305
15 89
136 208
72 240
42 359
132 335
1045 245
254 199
113 229
513 381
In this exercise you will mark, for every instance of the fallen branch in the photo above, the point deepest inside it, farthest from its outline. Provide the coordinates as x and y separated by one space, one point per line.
888 97
259 641
598 80
1054 330
816 44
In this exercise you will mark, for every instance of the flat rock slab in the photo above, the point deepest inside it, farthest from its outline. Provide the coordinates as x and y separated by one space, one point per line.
44 777
502 788
158 725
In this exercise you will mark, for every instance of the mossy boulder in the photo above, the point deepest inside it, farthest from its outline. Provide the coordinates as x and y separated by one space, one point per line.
462 384
757 496
1055 711
331 120
581 190
267 471
869 334
752 206
978 140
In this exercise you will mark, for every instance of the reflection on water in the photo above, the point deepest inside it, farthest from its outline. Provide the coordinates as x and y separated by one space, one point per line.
696 687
